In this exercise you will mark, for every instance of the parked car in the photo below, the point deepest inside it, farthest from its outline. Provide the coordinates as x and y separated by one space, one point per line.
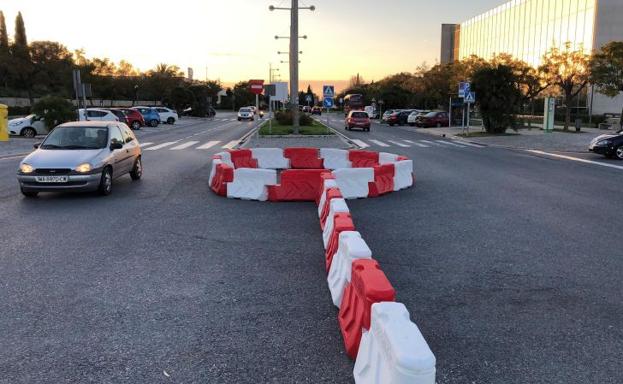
399 117
245 113
414 115
357 119
134 119
307 109
167 115
28 126
96 114
81 156
316 111
210 112
609 145
386 115
433 119
150 115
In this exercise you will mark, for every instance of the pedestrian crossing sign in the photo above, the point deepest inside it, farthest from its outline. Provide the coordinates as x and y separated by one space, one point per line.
328 91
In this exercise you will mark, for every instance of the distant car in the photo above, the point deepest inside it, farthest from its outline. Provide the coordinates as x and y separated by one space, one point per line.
167 115
210 112
28 126
316 111
150 115
414 115
246 113
371 111
307 109
357 119
96 114
386 115
433 119
399 117
134 119
81 156
610 145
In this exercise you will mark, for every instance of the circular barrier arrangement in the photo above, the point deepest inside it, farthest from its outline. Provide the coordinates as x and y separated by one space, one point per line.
377 331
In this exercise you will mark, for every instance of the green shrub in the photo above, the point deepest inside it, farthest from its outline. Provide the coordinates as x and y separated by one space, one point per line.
285 118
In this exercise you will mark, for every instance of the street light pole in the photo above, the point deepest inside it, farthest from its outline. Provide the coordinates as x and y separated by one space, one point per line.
294 65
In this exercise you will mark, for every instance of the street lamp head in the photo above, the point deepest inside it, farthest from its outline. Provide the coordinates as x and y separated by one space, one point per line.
312 8
304 37
271 8
276 37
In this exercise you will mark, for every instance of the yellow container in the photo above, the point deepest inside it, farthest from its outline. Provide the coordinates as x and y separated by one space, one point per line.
4 123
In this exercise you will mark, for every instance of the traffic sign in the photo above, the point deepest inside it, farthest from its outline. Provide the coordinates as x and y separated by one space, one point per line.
256 86
308 98
470 98
464 89
328 91
328 102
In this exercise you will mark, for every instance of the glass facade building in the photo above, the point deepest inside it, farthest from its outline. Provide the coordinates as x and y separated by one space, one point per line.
527 29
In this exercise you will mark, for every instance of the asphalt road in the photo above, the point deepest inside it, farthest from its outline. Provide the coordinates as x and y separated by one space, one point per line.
509 262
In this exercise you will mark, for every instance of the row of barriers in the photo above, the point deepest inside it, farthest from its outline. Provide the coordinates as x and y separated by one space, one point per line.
377 331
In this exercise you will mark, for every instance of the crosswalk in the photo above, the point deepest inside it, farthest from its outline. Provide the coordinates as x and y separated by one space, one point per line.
186 145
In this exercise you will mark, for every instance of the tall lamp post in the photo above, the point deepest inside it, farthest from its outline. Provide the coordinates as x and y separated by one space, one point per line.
294 58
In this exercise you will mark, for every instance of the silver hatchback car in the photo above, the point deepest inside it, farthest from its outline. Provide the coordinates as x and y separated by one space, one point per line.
81 156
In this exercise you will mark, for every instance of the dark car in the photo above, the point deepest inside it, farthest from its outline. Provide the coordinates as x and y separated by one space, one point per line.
610 145
399 117
357 119
316 111
433 119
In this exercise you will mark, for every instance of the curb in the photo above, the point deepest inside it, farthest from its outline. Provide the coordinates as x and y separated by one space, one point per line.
245 139
347 140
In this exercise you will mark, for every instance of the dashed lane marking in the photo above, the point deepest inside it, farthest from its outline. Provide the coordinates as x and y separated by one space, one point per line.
399 144
417 144
208 145
160 146
379 143
360 143
536 152
449 143
184 146
231 144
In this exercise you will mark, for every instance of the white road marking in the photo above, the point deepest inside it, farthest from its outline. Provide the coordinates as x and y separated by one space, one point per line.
449 143
379 143
160 146
145 144
468 144
428 142
184 146
399 144
576 159
417 144
360 143
208 145
231 144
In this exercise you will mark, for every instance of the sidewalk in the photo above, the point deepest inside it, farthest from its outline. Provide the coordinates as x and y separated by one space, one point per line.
525 138
17 146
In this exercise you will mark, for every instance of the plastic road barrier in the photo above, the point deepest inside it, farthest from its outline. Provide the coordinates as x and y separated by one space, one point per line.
242 158
368 285
350 247
216 160
327 184
330 194
387 158
297 185
403 176
270 158
223 174
336 206
354 182
335 158
225 158
304 158
251 184
324 179
393 351
341 222
383 180
363 159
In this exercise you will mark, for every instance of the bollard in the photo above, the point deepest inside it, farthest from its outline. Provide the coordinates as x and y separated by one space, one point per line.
4 123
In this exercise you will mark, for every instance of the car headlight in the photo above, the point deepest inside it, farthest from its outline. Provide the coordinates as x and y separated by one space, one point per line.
16 123
26 168
83 168
603 143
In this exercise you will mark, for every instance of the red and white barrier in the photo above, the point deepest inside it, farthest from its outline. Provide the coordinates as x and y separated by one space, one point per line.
327 184
351 247
270 158
393 351
353 182
225 158
403 174
330 194
335 158
251 184
387 158
336 206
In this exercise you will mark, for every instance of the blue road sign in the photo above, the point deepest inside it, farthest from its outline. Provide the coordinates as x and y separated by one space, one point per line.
328 102
328 91
470 97
464 89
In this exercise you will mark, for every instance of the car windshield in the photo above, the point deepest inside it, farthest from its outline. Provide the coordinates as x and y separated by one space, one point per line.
360 115
245 110
431 114
77 138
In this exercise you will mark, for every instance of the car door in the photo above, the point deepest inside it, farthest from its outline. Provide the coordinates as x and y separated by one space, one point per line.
132 146
120 156
164 114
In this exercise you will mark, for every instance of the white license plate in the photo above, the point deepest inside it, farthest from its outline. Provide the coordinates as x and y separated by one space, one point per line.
51 179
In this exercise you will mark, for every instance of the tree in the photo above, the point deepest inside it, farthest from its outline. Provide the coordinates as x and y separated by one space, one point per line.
21 66
498 96
4 52
52 65
569 71
55 110
20 32
161 80
607 71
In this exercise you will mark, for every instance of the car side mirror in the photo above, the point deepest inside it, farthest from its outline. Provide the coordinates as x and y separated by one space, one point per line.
115 145
36 145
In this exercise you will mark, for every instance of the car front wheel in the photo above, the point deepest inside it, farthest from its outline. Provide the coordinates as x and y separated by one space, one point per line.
29 132
105 187
136 125
170 120
29 193
619 152
153 123
137 170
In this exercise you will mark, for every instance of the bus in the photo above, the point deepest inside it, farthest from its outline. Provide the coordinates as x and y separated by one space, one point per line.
353 102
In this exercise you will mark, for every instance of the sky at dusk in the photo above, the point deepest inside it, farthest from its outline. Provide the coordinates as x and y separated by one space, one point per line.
234 39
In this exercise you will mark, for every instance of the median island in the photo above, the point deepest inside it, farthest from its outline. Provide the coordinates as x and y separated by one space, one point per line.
281 125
